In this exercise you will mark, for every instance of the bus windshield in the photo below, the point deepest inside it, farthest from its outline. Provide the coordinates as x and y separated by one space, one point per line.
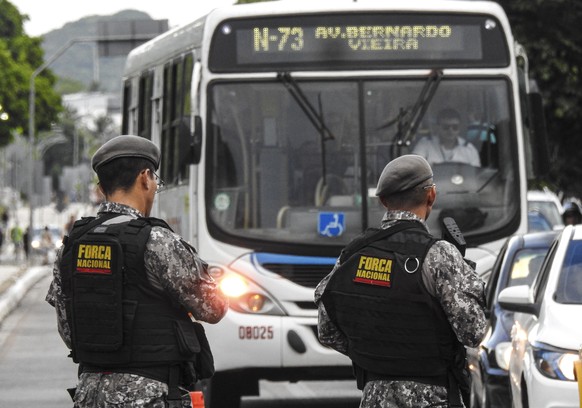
283 168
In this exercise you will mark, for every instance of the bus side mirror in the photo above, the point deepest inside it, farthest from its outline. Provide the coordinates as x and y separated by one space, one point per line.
539 138
196 146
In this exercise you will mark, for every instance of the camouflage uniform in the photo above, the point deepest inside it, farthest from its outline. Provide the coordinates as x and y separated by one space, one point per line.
173 267
461 295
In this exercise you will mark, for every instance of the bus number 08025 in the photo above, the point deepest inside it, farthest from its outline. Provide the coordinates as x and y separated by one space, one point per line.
255 332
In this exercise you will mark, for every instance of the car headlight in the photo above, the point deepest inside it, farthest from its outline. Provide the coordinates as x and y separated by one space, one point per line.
502 355
554 363
244 295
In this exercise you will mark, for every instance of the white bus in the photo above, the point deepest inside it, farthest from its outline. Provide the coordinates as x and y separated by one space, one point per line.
275 120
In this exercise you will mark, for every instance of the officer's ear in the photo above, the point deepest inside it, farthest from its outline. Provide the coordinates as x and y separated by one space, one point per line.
383 201
431 196
145 179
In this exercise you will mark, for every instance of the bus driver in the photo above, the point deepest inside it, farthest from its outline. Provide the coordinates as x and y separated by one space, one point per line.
448 146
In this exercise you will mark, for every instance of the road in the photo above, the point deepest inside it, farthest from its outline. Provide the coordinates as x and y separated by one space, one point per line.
34 369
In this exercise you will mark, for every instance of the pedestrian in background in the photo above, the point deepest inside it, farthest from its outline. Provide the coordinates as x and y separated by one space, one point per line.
26 242
46 244
124 286
69 224
402 304
16 238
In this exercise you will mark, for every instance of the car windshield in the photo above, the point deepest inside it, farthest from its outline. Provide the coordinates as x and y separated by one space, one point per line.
570 283
548 210
289 161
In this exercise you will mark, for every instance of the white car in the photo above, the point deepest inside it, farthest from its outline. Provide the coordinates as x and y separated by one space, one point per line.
546 203
547 333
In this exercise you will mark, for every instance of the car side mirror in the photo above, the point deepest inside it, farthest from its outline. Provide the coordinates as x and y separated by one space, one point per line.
518 299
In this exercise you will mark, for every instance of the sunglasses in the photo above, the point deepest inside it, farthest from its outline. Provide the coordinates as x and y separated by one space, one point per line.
450 126
159 182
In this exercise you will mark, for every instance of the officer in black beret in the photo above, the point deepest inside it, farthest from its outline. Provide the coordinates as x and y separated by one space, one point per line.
401 304
126 146
124 288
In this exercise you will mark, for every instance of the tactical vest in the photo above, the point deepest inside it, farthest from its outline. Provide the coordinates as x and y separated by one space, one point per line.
395 329
117 320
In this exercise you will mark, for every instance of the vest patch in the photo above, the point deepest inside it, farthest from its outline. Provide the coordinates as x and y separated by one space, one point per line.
374 271
94 259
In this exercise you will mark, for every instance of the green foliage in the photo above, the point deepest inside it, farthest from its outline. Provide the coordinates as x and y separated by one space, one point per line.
550 32
20 55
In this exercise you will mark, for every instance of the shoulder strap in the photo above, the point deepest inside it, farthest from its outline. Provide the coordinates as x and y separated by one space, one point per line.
373 235
84 225
158 222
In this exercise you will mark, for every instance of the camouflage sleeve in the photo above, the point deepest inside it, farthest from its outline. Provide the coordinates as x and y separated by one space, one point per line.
460 291
183 275
328 333
55 298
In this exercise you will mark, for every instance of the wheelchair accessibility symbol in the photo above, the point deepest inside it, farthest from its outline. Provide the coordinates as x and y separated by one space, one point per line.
331 224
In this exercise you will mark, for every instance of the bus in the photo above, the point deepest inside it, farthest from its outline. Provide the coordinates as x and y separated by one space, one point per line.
275 121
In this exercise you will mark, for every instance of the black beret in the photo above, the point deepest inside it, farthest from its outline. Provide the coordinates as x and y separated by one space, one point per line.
126 146
403 173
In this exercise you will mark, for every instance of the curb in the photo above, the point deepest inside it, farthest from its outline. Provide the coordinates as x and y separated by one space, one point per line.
13 295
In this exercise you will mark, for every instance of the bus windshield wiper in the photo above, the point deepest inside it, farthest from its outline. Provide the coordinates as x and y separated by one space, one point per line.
409 119
422 103
315 117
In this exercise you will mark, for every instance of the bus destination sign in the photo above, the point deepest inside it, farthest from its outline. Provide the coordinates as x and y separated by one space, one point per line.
349 41
360 41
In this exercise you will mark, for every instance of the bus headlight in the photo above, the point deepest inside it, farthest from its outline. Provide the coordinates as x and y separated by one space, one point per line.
246 297
233 286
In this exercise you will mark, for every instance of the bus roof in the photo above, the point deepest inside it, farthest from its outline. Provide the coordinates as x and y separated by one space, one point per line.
191 35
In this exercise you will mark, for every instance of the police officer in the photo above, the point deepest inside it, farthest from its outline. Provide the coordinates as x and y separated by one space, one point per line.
124 288
402 304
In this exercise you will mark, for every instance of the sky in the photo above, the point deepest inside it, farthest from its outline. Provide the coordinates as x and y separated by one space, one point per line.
47 15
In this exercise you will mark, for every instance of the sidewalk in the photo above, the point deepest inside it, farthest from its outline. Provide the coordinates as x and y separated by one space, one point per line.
16 279
18 276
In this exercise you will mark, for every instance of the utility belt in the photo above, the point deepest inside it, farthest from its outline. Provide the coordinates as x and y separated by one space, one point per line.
158 373
453 384
177 377
364 376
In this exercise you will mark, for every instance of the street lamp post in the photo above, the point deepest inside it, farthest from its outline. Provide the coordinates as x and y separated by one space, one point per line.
31 120
32 98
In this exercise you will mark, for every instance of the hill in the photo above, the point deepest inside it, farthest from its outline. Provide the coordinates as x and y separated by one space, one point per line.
79 67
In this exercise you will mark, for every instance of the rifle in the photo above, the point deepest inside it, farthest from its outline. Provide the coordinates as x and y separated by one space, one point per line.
451 233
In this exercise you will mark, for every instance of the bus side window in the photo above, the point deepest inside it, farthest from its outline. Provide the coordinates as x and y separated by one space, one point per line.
176 131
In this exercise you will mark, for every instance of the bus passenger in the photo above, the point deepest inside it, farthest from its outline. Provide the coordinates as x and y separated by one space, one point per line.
402 304
125 287
448 146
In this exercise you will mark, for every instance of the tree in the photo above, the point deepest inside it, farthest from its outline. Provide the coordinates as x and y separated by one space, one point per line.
550 32
20 55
